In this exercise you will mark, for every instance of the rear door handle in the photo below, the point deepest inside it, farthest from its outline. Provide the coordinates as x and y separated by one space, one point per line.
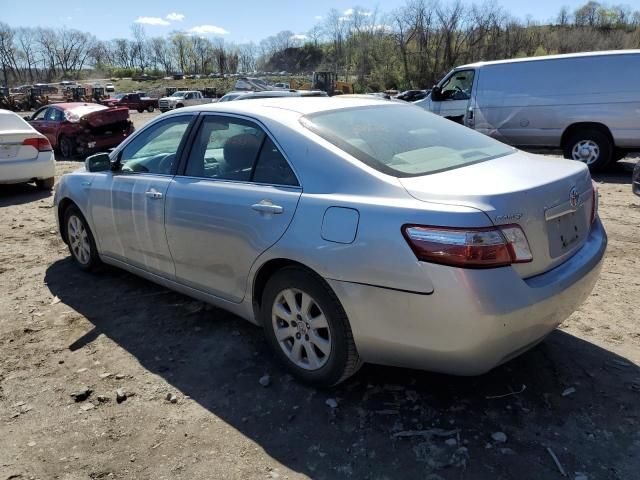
153 194
265 206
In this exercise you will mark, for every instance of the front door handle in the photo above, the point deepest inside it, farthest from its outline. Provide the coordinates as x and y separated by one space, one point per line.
266 206
153 194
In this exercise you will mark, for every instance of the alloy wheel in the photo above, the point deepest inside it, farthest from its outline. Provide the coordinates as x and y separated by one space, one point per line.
301 329
586 151
78 240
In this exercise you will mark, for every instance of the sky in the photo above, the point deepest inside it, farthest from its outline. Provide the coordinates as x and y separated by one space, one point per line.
238 22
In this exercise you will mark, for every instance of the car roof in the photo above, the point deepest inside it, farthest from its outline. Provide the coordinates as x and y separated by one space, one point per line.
269 107
73 105
551 57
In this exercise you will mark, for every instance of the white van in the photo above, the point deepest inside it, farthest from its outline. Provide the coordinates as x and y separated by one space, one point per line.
588 104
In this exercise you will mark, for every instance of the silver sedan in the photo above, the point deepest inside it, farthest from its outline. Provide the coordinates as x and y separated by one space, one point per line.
352 230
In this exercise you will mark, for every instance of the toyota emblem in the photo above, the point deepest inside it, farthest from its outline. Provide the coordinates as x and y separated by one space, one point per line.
574 196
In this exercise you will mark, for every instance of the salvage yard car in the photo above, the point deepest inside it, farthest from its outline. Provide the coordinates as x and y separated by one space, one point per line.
133 101
352 230
25 155
81 128
184 98
635 179
549 102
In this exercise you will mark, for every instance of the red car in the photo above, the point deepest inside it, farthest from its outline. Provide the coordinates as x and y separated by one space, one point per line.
82 128
133 101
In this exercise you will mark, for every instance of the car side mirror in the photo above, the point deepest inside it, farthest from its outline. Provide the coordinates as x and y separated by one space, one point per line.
435 93
100 162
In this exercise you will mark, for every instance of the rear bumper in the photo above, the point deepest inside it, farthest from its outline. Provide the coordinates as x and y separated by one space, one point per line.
21 171
99 143
475 319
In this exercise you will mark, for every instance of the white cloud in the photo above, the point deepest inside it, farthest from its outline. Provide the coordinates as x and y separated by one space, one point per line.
300 36
318 17
175 17
152 21
208 30
349 12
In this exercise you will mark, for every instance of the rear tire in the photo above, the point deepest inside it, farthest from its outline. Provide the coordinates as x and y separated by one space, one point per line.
45 183
67 147
590 146
82 245
313 340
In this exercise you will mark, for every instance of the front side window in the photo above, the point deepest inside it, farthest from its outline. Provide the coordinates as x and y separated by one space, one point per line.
155 149
236 149
403 140
457 86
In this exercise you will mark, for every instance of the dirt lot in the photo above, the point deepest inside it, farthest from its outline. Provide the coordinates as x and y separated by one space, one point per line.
62 330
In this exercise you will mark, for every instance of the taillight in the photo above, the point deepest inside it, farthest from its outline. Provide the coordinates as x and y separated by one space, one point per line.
40 144
469 247
595 201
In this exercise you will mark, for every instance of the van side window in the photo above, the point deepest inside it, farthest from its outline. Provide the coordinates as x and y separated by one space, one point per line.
457 86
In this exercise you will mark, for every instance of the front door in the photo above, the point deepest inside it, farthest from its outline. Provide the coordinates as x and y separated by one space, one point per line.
455 94
235 199
128 205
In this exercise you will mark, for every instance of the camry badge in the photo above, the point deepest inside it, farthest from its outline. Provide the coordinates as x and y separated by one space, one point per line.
574 196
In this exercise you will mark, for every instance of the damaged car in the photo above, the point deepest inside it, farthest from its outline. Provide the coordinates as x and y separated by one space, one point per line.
82 128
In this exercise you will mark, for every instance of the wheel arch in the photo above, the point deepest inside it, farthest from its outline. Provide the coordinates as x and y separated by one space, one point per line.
63 205
264 273
576 127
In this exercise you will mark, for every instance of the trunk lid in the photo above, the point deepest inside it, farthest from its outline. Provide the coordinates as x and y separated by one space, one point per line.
525 189
12 149
105 117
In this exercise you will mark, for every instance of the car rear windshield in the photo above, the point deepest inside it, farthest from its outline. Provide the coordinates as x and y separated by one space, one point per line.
403 140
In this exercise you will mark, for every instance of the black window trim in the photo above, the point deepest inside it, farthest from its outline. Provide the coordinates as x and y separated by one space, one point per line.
195 128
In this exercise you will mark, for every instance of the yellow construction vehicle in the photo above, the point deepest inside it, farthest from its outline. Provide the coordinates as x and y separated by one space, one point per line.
325 81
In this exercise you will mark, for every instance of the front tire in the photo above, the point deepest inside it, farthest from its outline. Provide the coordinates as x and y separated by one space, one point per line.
150 109
307 328
590 146
82 245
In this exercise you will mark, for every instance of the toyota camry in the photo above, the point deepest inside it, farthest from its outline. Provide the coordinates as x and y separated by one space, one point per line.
350 229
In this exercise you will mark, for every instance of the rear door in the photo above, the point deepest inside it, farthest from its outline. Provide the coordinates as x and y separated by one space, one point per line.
235 198
128 206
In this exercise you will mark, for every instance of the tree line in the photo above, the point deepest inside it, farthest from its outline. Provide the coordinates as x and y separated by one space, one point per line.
410 47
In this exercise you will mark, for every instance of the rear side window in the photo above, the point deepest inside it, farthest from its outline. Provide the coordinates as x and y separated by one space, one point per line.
272 167
235 149
403 140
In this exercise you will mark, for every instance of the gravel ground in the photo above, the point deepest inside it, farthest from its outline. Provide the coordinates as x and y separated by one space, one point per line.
191 404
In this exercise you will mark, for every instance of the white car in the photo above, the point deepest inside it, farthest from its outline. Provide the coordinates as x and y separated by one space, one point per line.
109 88
25 154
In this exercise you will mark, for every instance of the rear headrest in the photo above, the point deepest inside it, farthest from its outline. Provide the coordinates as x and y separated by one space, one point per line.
240 151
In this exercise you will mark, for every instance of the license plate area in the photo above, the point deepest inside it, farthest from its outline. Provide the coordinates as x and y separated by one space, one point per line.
8 151
565 233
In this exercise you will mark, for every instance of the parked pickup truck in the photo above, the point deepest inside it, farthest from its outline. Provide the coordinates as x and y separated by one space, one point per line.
181 99
134 101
